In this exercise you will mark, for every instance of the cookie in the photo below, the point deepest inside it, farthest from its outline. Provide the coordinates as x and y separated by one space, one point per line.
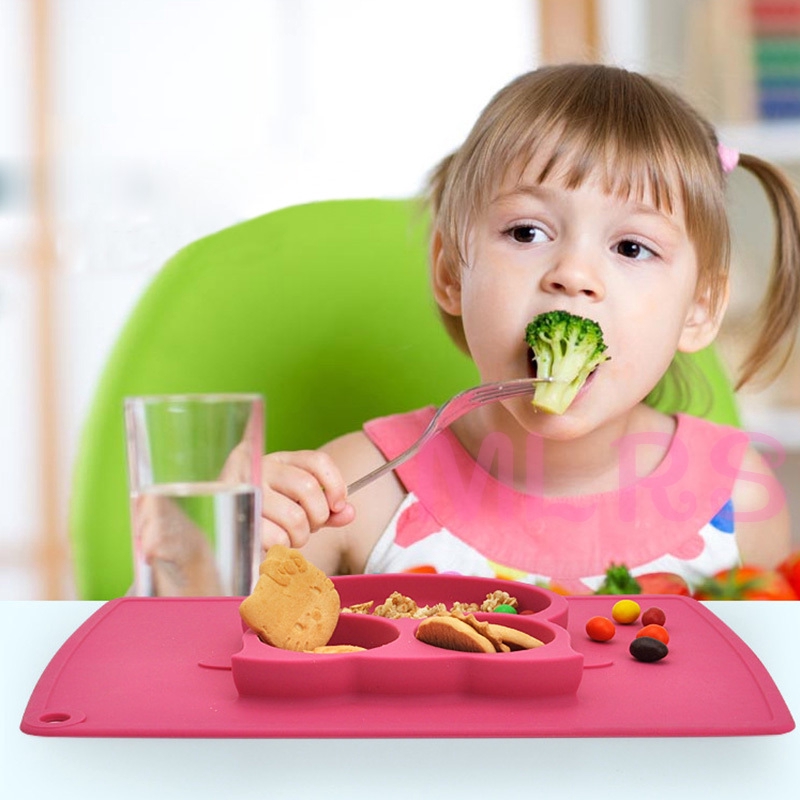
453 634
294 605
513 638
338 648
459 632
485 629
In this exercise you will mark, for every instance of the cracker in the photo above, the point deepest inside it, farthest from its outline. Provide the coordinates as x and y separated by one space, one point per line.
514 638
465 632
453 634
294 605
484 629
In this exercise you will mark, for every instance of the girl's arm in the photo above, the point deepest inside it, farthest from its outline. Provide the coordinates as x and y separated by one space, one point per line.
763 531
305 503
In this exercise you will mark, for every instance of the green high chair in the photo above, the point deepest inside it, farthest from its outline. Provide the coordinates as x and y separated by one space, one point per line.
323 308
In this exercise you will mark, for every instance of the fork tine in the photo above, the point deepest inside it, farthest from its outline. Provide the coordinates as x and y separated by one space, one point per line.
515 387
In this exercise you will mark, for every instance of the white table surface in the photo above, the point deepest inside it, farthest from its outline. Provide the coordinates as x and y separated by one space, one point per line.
66 767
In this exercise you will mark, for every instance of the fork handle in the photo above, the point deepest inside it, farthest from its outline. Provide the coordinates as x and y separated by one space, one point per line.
384 468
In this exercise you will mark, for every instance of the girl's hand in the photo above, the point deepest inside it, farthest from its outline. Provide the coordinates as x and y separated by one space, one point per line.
176 548
303 491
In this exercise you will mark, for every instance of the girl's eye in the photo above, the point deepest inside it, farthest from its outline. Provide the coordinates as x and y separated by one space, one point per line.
528 234
634 250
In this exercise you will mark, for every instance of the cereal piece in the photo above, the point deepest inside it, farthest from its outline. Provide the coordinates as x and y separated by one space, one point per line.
498 598
464 608
396 606
294 605
453 634
359 608
433 611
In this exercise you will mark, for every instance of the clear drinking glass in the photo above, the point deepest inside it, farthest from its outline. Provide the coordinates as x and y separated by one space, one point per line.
194 467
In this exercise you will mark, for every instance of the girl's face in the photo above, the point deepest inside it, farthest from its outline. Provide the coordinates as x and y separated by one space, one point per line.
622 263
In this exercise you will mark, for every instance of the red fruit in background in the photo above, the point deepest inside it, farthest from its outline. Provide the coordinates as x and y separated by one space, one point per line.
790 569
663 583
746 583
618 580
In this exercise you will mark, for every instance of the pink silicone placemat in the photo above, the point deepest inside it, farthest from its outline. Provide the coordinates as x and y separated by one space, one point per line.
163 668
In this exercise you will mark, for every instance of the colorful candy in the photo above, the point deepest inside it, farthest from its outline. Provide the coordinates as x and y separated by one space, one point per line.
648 649
600 629
655 631
626 612
654 616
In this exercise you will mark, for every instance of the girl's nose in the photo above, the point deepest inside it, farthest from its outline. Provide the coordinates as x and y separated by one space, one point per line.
574 275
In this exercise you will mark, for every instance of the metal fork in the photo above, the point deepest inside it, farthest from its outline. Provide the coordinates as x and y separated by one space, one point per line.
448 413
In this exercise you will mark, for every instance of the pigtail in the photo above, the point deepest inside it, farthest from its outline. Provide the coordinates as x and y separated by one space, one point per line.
779 313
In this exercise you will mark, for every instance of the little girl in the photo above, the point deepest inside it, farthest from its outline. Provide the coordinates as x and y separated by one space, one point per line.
597 191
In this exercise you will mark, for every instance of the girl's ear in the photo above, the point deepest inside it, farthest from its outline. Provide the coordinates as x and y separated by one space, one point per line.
445 278
702 322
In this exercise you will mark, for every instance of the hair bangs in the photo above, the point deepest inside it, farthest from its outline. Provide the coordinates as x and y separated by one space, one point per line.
576 155
636 139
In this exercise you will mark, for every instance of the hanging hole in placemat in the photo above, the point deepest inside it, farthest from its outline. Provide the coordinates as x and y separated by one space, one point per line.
55 717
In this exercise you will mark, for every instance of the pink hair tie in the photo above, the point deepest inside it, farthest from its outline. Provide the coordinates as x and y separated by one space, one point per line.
728 157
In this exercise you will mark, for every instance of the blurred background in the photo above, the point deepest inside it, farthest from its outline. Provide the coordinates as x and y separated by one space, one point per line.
129 129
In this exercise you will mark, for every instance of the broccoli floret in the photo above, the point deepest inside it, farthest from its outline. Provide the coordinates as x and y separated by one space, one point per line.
566 348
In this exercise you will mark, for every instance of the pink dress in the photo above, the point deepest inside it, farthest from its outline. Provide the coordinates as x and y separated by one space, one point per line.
456 517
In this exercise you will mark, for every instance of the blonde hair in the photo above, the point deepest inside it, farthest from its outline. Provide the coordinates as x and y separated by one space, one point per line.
637 137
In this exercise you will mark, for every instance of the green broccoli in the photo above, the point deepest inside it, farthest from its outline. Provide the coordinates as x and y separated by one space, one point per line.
566 348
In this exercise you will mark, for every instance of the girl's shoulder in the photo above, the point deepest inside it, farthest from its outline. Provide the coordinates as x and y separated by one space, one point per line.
763 526
763 530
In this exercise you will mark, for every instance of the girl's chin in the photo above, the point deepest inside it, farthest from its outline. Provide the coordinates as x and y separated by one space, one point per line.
556 427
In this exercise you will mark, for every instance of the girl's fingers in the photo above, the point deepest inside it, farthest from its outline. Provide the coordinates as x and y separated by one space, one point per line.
272 534
288 515
317 464
283 527
304 489
302 492
343 517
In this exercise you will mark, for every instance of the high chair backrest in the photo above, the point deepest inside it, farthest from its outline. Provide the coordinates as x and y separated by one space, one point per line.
323 308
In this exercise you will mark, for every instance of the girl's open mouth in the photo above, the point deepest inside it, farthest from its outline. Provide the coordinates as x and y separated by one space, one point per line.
534 373
531 361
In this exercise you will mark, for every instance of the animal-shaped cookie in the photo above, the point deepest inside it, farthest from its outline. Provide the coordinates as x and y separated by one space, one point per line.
294 605
460 632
